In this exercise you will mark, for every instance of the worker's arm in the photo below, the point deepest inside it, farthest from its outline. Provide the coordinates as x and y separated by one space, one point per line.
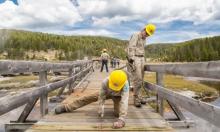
101 100
101 56
108 57
132 46
124 102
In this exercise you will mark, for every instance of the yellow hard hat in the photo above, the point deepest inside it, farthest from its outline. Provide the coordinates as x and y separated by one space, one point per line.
117 80
150 29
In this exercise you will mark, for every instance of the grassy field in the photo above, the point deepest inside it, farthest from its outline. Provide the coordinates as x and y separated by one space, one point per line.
21 81
178 83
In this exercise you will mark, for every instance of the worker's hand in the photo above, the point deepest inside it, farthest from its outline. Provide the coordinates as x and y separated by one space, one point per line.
131 61
118 124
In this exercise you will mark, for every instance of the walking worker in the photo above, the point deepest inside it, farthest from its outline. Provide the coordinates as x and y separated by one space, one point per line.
118 62
115 87
136 60
104 58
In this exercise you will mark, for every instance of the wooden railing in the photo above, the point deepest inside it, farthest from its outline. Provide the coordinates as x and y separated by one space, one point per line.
30 97
204 110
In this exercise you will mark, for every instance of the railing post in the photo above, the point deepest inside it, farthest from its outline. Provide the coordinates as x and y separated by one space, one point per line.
160 100
70 84
44 96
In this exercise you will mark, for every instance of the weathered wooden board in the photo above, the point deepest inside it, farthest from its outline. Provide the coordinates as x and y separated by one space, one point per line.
195 69
10 67
95 127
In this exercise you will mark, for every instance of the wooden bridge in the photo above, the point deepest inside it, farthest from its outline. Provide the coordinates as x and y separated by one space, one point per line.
83 79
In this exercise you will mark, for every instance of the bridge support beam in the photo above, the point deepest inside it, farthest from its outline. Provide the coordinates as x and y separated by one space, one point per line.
27 110
160 100
44 96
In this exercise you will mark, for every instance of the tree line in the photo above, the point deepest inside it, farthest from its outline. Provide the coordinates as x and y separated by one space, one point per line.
67 47
203 49
16 43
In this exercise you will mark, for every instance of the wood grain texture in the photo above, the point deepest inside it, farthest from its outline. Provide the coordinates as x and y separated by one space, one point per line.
11 67
195 69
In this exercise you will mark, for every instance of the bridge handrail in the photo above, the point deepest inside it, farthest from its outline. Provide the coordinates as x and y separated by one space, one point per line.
209 69
11 67
9 103
204 110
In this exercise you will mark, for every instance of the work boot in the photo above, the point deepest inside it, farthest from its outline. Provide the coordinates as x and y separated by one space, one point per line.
137 102
143 101
131 88
116 114
60 109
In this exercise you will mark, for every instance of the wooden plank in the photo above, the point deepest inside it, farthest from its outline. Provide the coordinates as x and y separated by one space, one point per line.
44 96
94 127
17 127
160 101
209 69
12 102
185 123
10 67
27 110
208 112
71 82
177 111
60 92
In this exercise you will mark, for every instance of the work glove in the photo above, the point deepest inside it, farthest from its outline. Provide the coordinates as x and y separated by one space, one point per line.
131 61
118 124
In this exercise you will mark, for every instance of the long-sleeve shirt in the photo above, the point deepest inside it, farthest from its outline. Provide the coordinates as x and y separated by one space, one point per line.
106 92
105 56
136 45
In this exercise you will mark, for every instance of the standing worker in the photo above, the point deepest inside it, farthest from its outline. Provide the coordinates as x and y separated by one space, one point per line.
115 87
104 58
118 62
136 60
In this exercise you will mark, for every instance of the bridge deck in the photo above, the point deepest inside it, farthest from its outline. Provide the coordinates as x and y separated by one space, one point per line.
86 118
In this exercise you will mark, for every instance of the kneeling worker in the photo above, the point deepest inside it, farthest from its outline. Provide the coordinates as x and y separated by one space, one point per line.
115 87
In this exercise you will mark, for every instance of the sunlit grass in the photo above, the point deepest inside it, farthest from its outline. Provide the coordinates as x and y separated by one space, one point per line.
178 83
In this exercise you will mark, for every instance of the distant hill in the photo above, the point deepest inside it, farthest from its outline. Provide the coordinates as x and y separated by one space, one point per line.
203 49
25 45
16 44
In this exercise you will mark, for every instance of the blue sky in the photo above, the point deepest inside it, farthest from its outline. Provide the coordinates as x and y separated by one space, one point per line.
176 21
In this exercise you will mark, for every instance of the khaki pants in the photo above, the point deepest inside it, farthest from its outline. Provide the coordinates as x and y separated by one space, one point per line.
137 75
88 99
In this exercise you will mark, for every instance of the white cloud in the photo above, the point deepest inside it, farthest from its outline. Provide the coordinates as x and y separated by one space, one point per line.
55 16
158 11
106 21
34 14
90 32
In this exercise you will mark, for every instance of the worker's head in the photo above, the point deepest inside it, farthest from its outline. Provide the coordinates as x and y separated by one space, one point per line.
148 30
117 80
104 50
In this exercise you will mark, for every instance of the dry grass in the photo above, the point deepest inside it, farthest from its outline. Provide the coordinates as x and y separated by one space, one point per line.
177 83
